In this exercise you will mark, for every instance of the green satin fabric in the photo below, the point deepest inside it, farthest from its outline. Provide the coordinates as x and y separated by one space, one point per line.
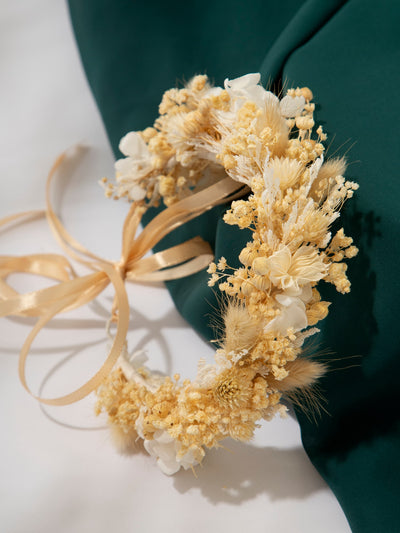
348 53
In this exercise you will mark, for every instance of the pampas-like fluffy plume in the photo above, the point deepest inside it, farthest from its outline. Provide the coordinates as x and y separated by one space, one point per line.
301 387
329 170
303 373
241 330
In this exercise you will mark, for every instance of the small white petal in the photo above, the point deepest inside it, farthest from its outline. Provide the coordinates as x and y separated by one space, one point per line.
136 193
291 106
247 88
243 82
292 315
169 468
133 146
124 167
271 98
284 299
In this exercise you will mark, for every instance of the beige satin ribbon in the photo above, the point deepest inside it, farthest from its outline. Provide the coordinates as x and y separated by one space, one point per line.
72 292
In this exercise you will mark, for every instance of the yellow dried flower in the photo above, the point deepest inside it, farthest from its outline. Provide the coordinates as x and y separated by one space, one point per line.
222 264
212 268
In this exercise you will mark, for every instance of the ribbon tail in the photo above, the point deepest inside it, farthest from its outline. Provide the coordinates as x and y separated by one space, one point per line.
183 211
178 261
16 217
190 267
119 340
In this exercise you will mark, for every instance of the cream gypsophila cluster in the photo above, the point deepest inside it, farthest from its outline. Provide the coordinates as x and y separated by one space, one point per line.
203 134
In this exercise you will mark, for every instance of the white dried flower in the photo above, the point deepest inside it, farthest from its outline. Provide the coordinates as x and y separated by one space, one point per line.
247 88
166 451
290 272
134 167
292 106
292 315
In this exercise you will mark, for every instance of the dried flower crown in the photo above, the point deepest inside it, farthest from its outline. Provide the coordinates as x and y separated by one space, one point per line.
206 146
203 135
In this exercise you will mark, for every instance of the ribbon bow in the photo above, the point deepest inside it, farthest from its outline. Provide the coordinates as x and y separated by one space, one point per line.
72 291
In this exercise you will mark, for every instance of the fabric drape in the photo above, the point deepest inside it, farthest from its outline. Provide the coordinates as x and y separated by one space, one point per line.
348 53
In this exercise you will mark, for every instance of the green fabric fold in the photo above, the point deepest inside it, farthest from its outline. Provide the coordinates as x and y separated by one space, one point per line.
348 54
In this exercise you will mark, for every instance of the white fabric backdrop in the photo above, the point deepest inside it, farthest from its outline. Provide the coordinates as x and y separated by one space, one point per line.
59 471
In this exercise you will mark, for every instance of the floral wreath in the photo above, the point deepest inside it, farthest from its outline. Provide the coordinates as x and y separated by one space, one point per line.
207 145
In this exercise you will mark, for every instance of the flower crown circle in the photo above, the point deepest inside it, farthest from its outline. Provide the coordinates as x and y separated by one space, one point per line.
242 131
209 145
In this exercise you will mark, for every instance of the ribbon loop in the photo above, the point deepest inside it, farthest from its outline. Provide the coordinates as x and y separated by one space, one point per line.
72 291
